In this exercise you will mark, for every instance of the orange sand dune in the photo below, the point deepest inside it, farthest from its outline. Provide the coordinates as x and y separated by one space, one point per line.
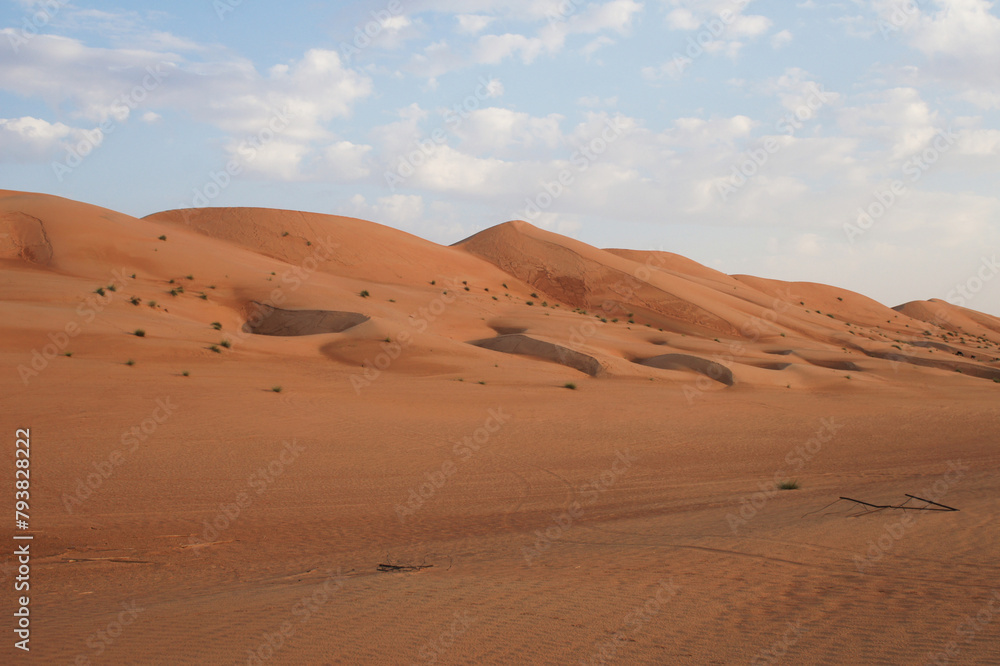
349 445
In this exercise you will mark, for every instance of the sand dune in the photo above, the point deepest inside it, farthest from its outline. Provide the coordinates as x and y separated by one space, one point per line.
289 438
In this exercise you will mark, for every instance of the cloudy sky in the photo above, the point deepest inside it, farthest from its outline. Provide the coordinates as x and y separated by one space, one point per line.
855 143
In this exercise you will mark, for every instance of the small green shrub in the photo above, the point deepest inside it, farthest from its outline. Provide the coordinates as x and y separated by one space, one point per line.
365 294
788 485
570 385
139 333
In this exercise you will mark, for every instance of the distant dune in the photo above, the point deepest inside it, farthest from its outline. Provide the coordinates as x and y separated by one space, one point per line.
612 312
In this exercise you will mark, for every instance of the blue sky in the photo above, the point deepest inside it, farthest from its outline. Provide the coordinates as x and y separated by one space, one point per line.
854 143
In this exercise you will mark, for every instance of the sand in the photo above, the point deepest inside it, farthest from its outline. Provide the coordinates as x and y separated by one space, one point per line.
424 488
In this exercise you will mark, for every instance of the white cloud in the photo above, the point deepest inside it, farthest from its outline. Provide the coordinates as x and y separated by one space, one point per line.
492 49
398 210
781 39
31 139
683 19
979 142
518 10
347 161
471 24
750 26
962 43
897 119
722 29
594 45
562 20
495 130
100 84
